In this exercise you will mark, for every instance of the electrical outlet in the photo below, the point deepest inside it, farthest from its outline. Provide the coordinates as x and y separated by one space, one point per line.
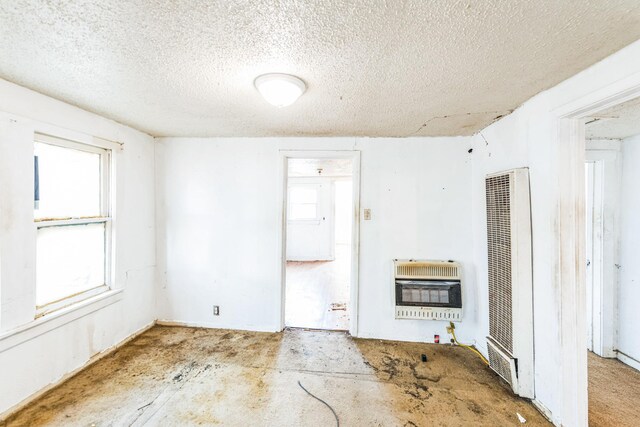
367 214
216 310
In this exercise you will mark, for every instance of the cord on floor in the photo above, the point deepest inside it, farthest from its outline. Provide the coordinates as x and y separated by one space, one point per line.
451 329
327 405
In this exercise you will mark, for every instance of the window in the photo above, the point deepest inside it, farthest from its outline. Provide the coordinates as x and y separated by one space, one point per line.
303 202
72 218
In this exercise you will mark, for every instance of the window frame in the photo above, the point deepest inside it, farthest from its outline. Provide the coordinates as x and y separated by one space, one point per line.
290 219
106 218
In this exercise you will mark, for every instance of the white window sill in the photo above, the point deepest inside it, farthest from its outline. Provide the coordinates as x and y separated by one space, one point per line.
58 318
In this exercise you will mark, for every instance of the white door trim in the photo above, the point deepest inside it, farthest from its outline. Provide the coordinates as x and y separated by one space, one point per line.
570 238
605 245
355 230
592 240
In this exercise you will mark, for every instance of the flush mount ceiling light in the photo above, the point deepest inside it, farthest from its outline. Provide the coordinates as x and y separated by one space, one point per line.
279 89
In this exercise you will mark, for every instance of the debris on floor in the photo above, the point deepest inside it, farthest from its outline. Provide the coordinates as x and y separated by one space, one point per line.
197 376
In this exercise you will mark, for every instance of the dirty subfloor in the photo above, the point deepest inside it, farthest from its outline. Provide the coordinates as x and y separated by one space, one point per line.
173 376
614 393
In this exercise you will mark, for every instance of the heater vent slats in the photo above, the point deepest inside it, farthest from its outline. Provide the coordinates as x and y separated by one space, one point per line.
428 313
499 249
501 363
426 270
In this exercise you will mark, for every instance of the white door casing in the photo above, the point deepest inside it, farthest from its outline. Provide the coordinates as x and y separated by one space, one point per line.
589 226
569 158
354 155
602 274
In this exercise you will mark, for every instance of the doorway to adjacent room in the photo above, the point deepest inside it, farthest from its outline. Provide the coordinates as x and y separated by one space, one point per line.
320 217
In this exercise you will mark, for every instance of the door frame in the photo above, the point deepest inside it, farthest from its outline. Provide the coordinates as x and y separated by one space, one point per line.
605 158
354 155
591 247
570 238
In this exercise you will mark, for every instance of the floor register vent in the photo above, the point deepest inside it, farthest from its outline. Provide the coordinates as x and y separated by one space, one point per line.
510 340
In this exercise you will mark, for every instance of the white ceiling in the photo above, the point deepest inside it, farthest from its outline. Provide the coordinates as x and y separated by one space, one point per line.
618 122
373 68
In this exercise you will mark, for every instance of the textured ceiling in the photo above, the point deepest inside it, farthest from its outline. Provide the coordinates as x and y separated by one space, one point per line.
373 68
618 122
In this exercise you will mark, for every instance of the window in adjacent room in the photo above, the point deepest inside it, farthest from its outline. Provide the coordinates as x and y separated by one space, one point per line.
303 202
73 221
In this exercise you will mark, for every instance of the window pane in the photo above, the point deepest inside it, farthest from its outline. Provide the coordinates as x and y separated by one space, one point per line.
69 182
305 211
303 195
70 260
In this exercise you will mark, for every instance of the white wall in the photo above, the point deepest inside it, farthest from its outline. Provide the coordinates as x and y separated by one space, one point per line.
35 357
629 272
529 137
218 224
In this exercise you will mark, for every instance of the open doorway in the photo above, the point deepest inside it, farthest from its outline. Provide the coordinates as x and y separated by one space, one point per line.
612 202
319 243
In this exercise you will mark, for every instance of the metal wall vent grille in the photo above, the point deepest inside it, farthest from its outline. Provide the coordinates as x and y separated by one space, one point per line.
499 364
499 245
510 279
419 270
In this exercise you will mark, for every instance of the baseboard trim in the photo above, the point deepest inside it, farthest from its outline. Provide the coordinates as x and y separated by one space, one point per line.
93 359
628 360
208 326
544 411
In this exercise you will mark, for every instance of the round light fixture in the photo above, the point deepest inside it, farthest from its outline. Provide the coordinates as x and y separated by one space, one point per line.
279 89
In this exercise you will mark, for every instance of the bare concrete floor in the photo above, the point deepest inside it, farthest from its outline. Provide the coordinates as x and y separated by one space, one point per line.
614 393
188 376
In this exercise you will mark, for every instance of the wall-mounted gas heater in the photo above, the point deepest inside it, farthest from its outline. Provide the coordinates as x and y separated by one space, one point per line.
429 290
510 340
